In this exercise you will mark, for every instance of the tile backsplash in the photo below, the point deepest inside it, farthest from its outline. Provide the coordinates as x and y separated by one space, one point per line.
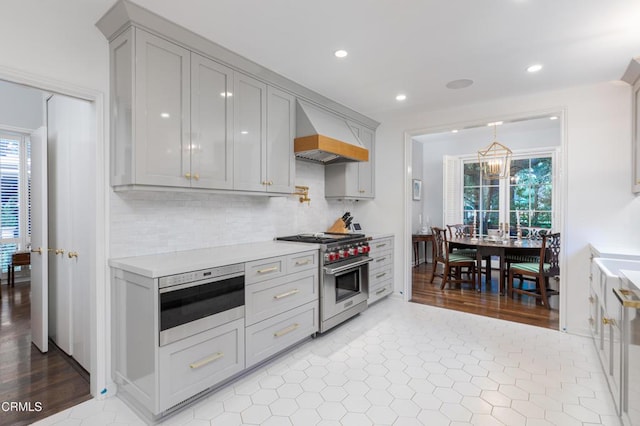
150 222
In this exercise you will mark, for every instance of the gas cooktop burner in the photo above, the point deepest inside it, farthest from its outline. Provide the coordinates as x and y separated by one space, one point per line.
321 237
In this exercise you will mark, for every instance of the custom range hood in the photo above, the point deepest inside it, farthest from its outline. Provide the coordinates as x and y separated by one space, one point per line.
325 138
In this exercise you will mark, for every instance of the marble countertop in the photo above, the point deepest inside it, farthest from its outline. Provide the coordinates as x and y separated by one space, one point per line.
160 265
632 278
615 252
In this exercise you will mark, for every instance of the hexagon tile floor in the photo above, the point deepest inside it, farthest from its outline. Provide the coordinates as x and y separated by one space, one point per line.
405 364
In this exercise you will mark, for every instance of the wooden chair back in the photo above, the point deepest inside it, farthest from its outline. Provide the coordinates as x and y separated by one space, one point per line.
550 254
459 230
440 243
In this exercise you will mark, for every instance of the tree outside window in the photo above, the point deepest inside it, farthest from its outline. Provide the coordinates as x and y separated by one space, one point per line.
530 189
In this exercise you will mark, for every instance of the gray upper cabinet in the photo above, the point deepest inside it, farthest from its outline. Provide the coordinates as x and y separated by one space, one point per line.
250 128
264 123
632 76
353 180
281 121
211 124
181 116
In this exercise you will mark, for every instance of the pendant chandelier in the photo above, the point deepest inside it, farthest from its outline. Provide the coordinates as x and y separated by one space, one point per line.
495 160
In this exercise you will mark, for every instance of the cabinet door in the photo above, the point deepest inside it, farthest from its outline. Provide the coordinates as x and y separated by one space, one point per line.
211 144
249 134
635 140
161 112
366 169
280 133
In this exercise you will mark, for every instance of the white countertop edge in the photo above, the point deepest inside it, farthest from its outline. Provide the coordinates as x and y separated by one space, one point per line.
380 236
164 264
615 252
632 277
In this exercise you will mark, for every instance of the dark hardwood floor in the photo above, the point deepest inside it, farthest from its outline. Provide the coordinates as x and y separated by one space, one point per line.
52 381
522 309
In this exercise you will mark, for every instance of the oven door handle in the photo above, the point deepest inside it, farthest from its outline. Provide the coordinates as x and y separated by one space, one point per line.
333 271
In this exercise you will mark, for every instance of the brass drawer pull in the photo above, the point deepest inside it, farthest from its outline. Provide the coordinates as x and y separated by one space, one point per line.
381 275
38 250
59 251
382 290
267 270
381 259
289 293
72 254
286 330
187 175
381 245
206 361
303 262
607 321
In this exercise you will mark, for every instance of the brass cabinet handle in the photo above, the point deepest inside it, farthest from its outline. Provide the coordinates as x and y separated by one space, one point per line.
302 262
607 321
59 251
206 361
187 175
381 275
196 176
72 254
38 250
286 330
264 182
362 191
382 290
288 293
381 245
267 270
380 259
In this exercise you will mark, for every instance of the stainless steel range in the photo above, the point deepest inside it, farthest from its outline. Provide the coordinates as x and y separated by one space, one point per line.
344 279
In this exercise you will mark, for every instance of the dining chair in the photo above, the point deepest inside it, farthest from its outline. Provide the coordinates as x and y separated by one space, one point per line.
451 262
529 233
547 266
461 230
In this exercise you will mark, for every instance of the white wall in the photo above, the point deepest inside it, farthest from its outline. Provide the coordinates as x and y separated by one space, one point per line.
600 208
20 106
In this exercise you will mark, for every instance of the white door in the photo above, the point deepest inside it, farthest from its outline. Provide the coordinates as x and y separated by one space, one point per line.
71 213
39 241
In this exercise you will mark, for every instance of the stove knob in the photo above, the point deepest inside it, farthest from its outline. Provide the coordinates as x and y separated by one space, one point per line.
367 249
332 256
361 250
343 253
352 251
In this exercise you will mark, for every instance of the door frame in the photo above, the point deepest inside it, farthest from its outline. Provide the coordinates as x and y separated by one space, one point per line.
101 384
561 213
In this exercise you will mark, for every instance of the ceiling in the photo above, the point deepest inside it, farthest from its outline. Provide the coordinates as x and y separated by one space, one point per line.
416 46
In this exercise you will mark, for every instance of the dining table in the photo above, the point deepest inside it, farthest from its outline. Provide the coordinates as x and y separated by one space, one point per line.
488 246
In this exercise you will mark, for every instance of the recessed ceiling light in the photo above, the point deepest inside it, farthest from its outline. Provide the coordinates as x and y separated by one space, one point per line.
341 53
495 123
534 68
165 115
459 84
226 94
454 131
553 117
401 97
244 132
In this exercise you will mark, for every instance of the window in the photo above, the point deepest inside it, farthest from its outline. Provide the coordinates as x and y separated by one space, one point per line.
528 190
15 183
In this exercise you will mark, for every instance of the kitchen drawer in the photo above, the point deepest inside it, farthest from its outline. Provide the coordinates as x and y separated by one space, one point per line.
273 297
379 275
196 363
380 290
380 245
382 260
265 269
275 334
302 262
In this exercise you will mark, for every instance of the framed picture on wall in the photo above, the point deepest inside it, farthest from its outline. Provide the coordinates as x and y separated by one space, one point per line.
417 189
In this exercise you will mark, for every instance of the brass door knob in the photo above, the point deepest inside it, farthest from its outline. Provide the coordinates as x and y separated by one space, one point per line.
187 175
196 176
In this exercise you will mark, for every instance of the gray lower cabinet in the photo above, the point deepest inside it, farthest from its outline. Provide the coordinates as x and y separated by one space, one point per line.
381 268
353 180
196 363
281 309
281 303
